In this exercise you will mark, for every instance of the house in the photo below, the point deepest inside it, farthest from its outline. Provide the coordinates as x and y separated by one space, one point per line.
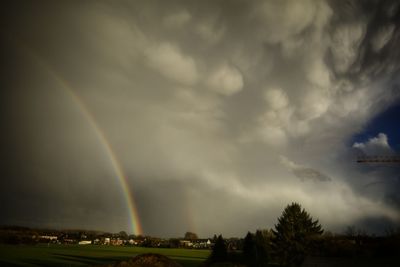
116 242
47 239
132 242
202 243
85 242
69 241
186 243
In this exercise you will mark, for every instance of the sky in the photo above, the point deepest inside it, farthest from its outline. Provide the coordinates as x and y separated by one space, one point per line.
217 113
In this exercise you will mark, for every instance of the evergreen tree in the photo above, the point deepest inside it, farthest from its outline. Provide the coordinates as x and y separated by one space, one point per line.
293 235
255 250
261 248
219 252
249 250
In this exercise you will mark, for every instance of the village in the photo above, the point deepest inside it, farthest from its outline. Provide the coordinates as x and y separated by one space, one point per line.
121 240
21 235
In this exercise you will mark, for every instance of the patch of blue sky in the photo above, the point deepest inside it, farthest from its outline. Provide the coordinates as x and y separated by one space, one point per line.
387 122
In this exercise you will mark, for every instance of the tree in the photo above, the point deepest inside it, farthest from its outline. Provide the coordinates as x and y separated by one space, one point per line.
191 236
123 235
214 239
174 242
261 248
249 250
219 252
294 234
255 250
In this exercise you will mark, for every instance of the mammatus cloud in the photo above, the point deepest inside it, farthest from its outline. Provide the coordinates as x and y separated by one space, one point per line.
209 30
198 99
346 41
294 17
276 98
177 20
226 80
169 61
382 37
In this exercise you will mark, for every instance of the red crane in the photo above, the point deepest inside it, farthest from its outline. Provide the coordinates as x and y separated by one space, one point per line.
378 159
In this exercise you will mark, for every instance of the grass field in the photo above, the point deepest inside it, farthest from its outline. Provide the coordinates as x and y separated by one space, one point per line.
89 255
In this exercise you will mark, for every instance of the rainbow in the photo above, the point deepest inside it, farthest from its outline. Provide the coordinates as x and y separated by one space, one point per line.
134 220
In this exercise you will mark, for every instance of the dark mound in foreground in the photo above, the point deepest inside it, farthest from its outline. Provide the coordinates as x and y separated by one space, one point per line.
148 260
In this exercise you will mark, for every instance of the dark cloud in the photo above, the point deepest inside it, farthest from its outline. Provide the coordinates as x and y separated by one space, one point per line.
305 173
198 101
310 174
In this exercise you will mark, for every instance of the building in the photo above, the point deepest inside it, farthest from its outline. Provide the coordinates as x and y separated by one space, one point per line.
85 242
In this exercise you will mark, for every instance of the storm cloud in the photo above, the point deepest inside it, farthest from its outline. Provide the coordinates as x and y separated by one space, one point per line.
200 101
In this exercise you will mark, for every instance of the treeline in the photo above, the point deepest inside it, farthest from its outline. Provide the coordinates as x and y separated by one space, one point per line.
23 235
297 236
17 235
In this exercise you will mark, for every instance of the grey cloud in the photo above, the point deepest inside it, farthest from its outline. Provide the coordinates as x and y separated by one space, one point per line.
197 99
305 173
310 174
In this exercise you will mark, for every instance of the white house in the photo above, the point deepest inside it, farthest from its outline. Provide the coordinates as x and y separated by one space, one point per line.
85 242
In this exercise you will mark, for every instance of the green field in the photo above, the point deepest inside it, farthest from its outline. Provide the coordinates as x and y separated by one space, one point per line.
89 255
